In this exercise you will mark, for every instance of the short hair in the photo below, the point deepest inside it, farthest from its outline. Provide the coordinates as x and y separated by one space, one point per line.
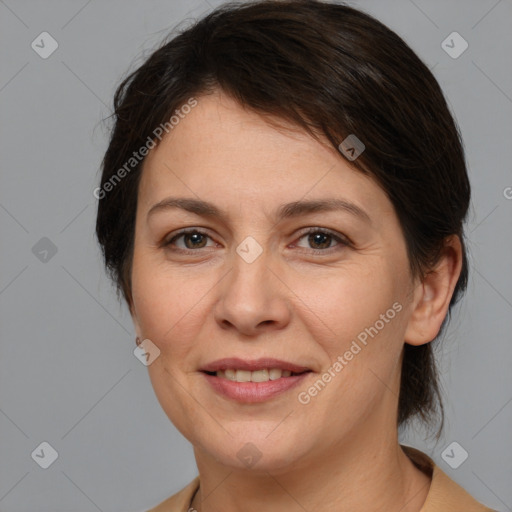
332 71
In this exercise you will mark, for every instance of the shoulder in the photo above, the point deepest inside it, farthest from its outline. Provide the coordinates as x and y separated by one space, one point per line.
179 502
444 494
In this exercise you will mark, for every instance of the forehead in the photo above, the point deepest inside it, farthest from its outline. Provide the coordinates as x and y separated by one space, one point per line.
221 151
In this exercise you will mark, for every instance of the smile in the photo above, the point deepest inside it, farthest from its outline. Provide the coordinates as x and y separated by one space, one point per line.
263 375
250 391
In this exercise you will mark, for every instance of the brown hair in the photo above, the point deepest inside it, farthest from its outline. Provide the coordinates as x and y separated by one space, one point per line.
332 71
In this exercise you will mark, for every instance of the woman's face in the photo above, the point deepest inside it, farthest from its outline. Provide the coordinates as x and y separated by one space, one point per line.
255 284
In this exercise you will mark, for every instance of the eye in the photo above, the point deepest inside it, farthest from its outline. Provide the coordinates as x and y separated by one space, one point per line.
192 239
320 239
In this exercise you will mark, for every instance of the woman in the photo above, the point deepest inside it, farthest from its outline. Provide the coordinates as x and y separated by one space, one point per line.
282 207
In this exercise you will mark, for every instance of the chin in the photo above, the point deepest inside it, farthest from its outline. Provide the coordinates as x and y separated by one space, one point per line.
257 452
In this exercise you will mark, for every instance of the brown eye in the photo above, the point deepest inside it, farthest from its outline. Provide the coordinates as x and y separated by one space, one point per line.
192 239
320 240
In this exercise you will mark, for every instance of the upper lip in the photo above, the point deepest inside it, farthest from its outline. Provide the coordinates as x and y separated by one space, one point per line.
236 363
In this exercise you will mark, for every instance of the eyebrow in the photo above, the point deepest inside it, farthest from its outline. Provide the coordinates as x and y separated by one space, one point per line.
285 211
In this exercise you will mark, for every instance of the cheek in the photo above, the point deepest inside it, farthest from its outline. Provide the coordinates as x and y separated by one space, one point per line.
166 307
358 324
343 306
167 316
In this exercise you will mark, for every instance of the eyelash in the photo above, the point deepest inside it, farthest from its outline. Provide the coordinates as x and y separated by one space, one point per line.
342 241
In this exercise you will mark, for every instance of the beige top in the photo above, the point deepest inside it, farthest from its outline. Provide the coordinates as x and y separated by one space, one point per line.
444 495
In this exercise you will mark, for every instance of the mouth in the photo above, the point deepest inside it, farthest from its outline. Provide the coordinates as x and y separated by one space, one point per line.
253 381
263 375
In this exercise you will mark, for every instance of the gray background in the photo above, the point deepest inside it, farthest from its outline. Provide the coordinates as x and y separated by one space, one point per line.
68 375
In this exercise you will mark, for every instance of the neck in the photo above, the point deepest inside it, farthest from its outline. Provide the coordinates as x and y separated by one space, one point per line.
365 473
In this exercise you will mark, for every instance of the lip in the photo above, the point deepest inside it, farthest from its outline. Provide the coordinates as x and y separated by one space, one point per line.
253 392
236 363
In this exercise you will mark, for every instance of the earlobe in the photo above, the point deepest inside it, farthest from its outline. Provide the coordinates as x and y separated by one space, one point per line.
433 294
136 325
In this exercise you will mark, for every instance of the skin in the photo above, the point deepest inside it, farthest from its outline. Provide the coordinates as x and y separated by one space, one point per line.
294 302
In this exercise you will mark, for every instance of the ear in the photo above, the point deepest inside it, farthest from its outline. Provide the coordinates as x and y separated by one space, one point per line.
135 320
433 293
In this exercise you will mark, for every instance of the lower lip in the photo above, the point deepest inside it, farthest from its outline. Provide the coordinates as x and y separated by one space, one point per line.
252 392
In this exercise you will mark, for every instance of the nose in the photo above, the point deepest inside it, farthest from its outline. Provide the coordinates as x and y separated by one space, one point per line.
252 298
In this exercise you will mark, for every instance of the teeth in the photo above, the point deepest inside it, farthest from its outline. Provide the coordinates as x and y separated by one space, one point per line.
275 373
259 376
256 376
229 374
243 376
